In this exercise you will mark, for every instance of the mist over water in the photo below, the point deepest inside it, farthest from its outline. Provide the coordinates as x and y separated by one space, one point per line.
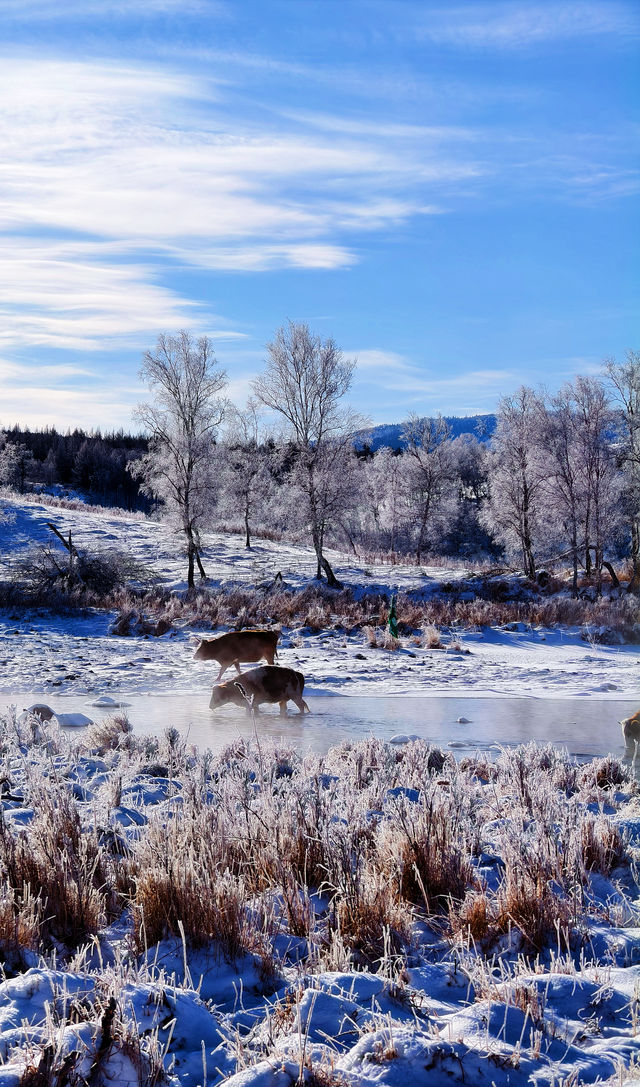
585 727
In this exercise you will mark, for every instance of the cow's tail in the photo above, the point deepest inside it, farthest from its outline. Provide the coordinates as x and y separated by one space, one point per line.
305 707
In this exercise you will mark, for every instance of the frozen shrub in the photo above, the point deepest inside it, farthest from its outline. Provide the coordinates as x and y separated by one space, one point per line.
62 865
21 917
431 638
112 732
472 917
605 773
372 923
424 849
133 622
602 847
371 635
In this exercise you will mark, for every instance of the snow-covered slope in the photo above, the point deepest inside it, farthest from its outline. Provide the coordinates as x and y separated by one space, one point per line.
42 653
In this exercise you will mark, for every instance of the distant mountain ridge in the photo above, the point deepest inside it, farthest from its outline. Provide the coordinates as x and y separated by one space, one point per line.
389 434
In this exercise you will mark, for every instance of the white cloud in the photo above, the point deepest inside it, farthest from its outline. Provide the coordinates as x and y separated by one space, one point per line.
442 387
374 359
39 405
515 25
12 372
117 169
121 153
62 296
409 379
31 10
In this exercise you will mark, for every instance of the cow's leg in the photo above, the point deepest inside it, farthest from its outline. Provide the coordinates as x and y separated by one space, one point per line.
283 708
222 671
236 665
301 704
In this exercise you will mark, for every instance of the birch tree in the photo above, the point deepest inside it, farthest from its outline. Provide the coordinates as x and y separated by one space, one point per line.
600 473
428 469
247 480
518 472
625 379
304 383
566 487
182 420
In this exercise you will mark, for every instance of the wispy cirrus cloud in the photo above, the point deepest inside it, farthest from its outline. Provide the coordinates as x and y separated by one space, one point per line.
111 170
402 383
23 10
373 359
517 25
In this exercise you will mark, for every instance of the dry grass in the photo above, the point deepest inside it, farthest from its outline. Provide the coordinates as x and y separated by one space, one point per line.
61 864
244 844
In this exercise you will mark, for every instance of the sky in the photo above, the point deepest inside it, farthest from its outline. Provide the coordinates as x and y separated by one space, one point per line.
449 191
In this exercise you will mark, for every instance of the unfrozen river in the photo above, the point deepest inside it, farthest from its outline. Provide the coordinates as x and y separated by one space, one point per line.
585 727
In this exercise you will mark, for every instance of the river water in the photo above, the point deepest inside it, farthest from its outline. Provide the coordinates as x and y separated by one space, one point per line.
585 727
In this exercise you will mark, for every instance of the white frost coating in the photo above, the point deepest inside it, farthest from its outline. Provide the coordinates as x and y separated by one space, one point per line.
73 720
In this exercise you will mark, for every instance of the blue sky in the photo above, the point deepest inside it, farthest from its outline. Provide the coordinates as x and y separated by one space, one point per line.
449 190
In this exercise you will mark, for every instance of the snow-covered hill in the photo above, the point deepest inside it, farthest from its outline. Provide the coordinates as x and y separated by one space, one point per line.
390 434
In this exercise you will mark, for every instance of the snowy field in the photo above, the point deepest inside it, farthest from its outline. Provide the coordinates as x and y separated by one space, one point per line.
44 655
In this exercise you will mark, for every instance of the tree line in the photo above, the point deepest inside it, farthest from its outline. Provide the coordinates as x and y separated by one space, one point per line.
95 464
558 483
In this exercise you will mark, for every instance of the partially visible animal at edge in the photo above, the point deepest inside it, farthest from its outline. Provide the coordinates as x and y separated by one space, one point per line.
631 729
45 713
236 646
268 683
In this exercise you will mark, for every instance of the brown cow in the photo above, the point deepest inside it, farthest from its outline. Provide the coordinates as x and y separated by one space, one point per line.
236 646
265 684
631 729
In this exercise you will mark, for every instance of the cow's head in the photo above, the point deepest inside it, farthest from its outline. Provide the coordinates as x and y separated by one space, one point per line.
200 653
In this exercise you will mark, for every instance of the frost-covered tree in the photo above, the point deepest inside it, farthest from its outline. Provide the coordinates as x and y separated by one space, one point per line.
602 482
625 379
565 488
383 501
182 420
428 471
247 482
304 383
465 533
16 463
518 468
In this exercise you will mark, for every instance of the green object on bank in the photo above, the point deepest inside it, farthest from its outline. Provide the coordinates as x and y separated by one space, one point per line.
393 618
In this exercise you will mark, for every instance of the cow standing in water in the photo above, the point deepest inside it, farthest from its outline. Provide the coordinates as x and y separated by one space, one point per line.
631 730
238 645
264 684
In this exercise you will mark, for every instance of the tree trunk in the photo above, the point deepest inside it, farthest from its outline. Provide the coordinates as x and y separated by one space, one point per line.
615 583
318 551
634 584
201 568
247 539
332 580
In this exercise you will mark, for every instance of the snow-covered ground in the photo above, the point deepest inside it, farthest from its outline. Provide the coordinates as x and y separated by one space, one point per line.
41 654
288 1016
451 1016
